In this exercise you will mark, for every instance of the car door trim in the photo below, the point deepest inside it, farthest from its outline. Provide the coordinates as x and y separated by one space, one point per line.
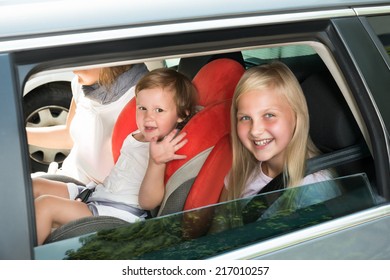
164 29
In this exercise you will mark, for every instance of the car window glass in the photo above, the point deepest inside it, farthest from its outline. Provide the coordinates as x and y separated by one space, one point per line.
194 235
279 52
262 55
381 26
172 62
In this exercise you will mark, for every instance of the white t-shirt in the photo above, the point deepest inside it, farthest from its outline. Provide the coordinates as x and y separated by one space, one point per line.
91 156
124 181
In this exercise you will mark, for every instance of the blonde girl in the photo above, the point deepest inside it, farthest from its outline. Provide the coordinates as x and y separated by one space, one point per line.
270 132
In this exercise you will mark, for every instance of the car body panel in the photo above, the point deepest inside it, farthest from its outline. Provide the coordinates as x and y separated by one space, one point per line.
187 17
175 29
57 12
17 232
375 103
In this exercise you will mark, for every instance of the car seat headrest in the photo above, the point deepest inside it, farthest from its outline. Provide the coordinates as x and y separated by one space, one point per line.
332 125
217 80
190 66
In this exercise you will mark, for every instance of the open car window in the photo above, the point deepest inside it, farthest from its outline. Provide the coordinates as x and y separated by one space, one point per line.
220 228
265 55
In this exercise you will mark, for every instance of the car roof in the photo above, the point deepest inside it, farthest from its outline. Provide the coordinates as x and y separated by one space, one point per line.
27 17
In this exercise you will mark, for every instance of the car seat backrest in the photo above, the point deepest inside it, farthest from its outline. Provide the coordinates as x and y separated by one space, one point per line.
332 125
204 130
215 82
207 186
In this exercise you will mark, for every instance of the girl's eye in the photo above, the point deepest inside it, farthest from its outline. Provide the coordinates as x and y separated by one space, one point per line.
269 115
159 110
244 118
141 108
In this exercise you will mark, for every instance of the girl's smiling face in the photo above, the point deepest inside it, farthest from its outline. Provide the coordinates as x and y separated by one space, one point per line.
265 126
156 113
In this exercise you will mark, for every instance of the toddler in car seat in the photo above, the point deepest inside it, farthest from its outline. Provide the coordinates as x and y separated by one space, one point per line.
164 98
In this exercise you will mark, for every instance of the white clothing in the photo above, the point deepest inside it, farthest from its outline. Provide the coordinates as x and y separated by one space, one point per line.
104 210
259 180
292 198
91 156
124 181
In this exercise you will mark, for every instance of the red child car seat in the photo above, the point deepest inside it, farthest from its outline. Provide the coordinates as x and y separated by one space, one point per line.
215 83
209 183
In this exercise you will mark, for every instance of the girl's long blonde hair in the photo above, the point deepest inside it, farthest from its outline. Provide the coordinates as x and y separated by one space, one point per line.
279 77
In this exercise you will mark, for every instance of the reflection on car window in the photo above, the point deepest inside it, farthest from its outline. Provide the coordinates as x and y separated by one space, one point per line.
209 231
279 52
385 38
262 55
292 55
381 26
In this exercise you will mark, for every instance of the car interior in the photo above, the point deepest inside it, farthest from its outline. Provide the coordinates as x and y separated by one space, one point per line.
197 181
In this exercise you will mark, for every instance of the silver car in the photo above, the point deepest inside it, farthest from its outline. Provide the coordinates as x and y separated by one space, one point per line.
339 51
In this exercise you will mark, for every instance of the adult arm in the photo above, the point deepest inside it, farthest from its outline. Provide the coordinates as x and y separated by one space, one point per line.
53 137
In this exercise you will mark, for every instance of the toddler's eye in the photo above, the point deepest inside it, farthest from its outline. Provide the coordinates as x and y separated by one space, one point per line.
159 110
141 108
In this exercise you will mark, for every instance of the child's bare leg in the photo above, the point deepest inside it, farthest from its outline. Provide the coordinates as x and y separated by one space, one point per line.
52 211
43 186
